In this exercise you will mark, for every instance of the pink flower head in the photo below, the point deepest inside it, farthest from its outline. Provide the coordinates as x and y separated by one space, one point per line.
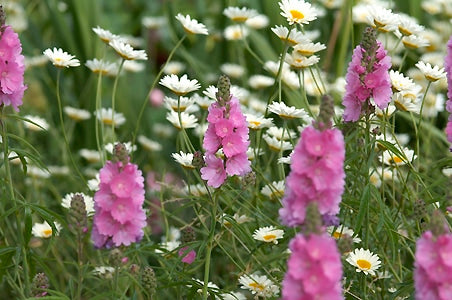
433 267
367 77
188 257
228 131
156 97
12 69
448 69
317 175
119 217
314 269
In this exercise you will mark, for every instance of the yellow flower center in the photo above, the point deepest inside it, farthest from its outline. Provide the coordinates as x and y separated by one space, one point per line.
305 52
397 159
337 235
107 121
256 285
405 31
239 19
297 14
269 237
410 45
255 123
47 232
363 264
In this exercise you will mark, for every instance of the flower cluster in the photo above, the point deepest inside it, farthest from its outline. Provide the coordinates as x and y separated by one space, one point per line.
433 270
12 64
119 217
227 130
448 69
367 77
317 175
314 269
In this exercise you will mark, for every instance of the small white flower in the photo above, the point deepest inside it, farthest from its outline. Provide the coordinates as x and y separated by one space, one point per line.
233 296
431 73
110 117
415 42
104 272
375 176
153 22
188 121
239 15
297 11
408 25
364 261
274 189
99 66
192 26
298 61
277 145
149 144
258 22
287 112
58 170
39 123
178 105
184 159
44 230
404 103
280 133
89 202
173 67
61 59
308 49
381 18
232 70
210 285
260 81
293 38
259 285
133 66
258 122
399 82
92 156
235 32
105 35
180 86
196 190
37 172
203 101
447 172
77 114
268 234
340 231
128 145
93 184
126 51
392 159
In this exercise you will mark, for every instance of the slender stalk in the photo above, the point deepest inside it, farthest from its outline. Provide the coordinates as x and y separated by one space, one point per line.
209 247
145 101
60 110
113 99
99 135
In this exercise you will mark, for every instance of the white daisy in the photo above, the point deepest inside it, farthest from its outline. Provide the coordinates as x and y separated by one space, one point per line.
188 121
260 81
77 114
196 190
126 51
392 159
268 234
110 117
180 86
184 159
93 184
251 153
364 261
408 25
298 61
404 103
44 230
274 189
285 160
89 202
99 66
255 105
92 156
399 82
447 171
104 272
61 59
293 38
280 133
375 176
258 122
56 170
414 42
287 112
381 18
239 15
340 231
149 144
35 123
173 67
308 49
235 32
259 285
37 172
105 35
297 11
210 285
133 66
202 101
433 103
153 22
232 70
192 26
258 22
431 73
233 296
128 145
276 145
181 105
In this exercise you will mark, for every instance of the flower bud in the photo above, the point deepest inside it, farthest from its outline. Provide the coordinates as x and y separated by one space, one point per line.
224 85
40 282
148 280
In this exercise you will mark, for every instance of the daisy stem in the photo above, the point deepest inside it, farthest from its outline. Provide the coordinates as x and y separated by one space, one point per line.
403 60
113 98
99 135
209 246
184 133
303 93
420 117
12 196
146 99
60 110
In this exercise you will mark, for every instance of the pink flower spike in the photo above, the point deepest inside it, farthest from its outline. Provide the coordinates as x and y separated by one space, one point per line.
224 127
233 145
214 171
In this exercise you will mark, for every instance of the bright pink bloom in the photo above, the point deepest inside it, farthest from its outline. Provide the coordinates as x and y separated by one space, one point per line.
188 257
365 82
433 267
228 131
12 69
317 175
448 69
156 97
314 269
119 217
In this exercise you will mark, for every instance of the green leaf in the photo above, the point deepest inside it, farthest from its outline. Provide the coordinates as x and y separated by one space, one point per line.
363 204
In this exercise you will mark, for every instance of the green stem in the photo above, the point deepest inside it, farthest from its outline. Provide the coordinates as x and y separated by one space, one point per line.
99 135
66 142
146 99
113 99
209 247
